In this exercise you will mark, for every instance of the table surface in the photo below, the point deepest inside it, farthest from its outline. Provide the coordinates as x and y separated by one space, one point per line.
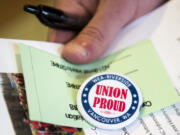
17 24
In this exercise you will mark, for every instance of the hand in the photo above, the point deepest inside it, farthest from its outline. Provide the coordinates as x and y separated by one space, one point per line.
106 18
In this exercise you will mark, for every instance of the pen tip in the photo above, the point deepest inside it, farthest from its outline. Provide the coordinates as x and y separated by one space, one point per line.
31 9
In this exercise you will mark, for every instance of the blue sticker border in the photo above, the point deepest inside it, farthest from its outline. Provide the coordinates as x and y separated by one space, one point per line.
106 120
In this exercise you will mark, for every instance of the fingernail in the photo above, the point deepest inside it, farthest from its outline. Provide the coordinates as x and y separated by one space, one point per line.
80 50
75 53
76 50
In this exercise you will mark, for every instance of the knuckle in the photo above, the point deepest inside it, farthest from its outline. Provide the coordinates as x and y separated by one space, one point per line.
93 32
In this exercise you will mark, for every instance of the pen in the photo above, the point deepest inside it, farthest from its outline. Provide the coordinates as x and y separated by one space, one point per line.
55 18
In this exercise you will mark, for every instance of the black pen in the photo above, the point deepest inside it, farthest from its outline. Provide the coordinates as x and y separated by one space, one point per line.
56 19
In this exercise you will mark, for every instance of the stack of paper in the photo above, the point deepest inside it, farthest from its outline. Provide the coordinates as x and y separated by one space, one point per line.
52 83
153 64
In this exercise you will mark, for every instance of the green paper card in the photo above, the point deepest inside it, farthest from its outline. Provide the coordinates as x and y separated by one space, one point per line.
52 83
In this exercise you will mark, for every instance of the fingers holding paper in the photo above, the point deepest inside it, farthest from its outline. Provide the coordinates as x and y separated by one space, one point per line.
106 18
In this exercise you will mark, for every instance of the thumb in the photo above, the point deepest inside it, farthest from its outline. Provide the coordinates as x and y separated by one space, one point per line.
95 38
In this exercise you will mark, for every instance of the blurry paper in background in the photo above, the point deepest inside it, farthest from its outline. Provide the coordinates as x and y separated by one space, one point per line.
17 24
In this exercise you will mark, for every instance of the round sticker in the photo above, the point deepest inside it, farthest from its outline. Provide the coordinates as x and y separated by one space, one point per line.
109 101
